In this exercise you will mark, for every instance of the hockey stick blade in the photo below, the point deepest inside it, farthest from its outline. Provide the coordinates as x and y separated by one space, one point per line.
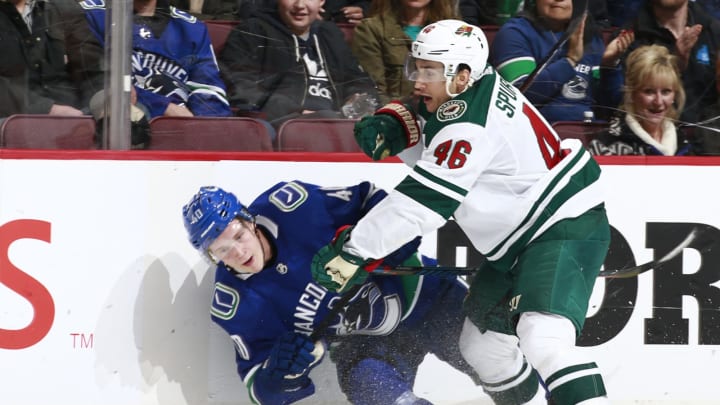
572 26
653 264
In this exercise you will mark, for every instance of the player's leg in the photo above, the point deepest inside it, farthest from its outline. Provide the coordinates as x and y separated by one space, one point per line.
555 276
441 323
376 370
489 345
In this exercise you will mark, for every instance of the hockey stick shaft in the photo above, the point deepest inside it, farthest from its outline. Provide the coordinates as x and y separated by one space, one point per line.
572 26
626 272
339 305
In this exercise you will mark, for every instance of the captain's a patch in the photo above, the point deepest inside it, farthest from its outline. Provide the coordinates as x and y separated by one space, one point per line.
451 110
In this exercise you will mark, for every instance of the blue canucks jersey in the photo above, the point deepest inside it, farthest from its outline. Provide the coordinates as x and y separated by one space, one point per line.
299 219
560 91
175 64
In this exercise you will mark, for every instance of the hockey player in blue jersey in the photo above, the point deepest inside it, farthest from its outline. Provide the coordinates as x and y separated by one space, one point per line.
266 300
174 71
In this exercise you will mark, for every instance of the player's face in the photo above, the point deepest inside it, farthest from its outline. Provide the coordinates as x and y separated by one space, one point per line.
415 4
653 102
555 10
430 83
299 14
239 247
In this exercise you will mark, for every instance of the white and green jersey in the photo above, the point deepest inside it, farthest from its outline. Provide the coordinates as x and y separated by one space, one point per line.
492 162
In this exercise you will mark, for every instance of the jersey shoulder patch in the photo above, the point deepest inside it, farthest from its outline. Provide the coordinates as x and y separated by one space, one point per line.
451 109
92 4
289 196
183 15
225 301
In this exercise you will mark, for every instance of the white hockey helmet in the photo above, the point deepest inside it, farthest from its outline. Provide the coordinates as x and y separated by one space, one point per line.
452 43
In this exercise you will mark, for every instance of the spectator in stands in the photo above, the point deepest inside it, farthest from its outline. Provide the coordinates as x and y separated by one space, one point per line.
34 74
622 12
694 36
206 10
563 90
652 101
478 12
289 64
711 6
174 72
345 11
382 42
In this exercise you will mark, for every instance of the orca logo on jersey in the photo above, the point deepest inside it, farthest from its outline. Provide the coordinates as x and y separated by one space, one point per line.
451 110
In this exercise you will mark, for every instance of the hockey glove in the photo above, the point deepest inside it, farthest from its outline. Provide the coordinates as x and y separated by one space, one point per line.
337 270
391 130
283 378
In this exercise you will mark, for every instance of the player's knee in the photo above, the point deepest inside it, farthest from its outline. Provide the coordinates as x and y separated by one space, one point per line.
547 340
494 356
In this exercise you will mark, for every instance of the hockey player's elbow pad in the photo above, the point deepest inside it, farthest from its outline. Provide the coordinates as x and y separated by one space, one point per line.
391 130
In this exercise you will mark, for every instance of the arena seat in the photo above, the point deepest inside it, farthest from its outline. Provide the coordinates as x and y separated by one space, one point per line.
490 31
219 31
348 30
579 129
317 135
43 131
209 133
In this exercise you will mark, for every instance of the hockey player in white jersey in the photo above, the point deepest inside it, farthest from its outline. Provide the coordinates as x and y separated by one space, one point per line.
482 154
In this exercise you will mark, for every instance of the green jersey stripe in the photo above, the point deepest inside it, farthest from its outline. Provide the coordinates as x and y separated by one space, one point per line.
443 183
569 370
575 177
431 199
513 69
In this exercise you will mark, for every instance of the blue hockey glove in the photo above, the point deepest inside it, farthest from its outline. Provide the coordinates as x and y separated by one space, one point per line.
337 270
283 378
391 130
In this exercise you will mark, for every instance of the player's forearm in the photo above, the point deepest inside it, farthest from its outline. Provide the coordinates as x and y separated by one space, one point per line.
393 222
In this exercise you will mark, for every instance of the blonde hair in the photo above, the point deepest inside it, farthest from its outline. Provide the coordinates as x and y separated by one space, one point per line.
652 63
437 10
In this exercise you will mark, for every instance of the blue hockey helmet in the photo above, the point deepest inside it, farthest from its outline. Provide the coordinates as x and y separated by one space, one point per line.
208 213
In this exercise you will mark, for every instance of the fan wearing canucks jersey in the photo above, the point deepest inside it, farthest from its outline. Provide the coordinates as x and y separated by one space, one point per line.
174 71
530 203
267 302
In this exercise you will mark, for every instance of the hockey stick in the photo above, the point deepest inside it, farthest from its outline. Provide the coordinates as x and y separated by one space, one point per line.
572 26
626 272
339 306
653 264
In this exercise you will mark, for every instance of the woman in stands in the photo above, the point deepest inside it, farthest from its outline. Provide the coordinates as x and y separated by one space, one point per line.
564 89
382 42
653 99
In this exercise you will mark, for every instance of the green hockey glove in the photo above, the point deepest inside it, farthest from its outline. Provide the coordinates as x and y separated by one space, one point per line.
391 130
337 270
